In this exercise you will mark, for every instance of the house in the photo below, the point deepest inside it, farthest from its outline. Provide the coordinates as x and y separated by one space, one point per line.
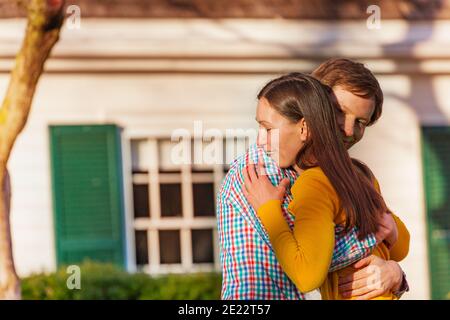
93 173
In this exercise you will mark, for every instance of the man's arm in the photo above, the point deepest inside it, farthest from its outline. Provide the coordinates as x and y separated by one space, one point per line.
348 248
392 277
355 283
238 276
224 209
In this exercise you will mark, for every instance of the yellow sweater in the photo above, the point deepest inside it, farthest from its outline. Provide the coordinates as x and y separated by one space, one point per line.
305 253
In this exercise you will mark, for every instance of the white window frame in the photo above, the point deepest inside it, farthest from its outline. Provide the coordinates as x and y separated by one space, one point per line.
155 222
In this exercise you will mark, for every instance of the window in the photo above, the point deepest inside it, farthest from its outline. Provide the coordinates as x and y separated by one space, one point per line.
170 194
141 242
140 200
174 204
169 246
202 246
203 199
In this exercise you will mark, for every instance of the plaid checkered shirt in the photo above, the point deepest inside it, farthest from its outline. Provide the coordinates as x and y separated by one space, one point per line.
250 269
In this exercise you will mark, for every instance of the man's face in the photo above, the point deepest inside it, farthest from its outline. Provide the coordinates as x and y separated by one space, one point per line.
279 137
355 115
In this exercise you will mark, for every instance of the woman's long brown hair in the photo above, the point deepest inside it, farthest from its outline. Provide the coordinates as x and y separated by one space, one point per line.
297 96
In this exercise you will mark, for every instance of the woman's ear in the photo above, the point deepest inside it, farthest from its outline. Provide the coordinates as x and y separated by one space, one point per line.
303 127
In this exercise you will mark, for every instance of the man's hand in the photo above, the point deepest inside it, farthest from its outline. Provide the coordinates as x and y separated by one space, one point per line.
387 230
371 277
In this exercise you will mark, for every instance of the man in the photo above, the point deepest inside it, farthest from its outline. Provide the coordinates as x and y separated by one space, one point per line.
250 268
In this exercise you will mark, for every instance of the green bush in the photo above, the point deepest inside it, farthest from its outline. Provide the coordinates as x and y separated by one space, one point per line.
105 281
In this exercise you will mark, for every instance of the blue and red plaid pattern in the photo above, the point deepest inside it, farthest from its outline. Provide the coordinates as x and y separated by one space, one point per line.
250 269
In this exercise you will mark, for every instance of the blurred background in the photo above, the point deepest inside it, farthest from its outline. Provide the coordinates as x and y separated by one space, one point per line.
92 175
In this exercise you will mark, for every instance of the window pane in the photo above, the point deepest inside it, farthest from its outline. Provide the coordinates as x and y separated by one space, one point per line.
202 246
170 194
141 201
169 171
203 199
196 169
172 154
139 155
169 246
206 153
141 247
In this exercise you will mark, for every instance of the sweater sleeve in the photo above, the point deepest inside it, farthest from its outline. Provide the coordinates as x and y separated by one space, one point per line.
400 249
304 253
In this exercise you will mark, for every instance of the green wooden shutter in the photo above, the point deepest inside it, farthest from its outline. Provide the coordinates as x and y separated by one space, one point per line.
436 155
87 194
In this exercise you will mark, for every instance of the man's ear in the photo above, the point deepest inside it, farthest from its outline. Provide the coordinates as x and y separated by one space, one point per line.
303 127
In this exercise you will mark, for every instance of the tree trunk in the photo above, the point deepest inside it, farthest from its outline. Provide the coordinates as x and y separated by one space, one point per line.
8 277
45 18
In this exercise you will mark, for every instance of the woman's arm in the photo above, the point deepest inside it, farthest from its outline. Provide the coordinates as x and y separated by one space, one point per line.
304 254
400 249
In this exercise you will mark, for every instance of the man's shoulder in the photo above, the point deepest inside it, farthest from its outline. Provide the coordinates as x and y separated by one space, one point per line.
233 178
233 175
250 156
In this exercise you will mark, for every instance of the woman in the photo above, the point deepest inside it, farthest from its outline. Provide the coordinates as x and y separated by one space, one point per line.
331 190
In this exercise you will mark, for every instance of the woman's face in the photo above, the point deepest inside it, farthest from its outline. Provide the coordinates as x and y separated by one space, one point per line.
283 139
280 138
354 116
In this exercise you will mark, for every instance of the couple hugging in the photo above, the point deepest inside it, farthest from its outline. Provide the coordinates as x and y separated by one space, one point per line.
297 216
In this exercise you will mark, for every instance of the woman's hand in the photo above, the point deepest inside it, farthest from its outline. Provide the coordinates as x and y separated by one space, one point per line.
257 187
387 230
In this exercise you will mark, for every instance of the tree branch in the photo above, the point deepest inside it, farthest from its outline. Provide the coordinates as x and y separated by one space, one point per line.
45 18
